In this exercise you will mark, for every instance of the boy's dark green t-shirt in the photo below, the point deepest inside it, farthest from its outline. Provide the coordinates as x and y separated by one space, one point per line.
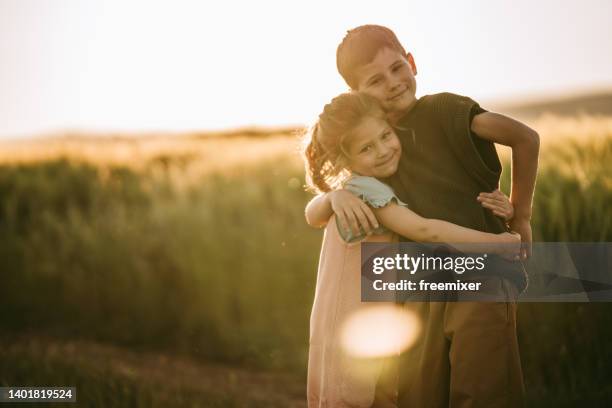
444 166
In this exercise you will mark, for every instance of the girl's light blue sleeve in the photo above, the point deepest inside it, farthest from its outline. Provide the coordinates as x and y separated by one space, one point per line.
373 192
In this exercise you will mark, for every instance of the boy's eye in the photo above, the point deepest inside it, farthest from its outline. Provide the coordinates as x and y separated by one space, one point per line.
365 149
386 135
397 67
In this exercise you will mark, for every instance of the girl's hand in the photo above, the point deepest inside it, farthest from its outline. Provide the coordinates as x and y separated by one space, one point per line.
497 202
352 212
510 246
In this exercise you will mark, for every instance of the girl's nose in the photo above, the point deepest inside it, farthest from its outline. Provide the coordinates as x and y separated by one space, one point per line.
382 149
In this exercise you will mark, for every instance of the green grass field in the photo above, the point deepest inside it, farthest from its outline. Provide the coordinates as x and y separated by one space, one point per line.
185 250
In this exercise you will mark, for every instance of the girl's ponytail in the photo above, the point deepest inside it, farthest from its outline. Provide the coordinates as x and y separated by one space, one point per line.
314 157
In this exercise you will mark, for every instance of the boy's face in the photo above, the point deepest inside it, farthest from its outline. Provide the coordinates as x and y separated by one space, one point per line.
390 78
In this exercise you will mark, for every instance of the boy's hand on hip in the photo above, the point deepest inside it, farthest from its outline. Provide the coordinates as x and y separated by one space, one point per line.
523 227
352 212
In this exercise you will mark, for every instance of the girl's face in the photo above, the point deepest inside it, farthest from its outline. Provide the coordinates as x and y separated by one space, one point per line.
374 149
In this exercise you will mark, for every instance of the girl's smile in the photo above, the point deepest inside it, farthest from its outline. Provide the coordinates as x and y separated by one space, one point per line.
387 160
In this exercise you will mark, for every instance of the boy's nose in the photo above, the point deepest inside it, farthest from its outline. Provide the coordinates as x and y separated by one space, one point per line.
394 86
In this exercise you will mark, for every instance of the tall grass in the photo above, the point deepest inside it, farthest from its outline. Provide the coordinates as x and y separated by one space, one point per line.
224 270
573 195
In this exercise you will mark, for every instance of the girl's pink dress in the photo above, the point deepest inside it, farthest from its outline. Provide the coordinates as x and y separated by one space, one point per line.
332 379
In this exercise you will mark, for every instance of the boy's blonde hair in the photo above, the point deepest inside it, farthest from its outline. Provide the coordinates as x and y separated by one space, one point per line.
360 46
326 152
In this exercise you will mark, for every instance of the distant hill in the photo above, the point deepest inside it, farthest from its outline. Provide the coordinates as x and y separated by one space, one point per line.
592 104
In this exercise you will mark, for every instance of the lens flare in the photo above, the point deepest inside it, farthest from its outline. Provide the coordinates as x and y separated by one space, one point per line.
378 331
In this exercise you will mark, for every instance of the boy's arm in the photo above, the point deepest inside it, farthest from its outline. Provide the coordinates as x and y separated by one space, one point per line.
349 209
525 144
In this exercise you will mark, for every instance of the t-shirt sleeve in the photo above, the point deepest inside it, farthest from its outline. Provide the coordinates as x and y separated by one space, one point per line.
374 193
485 148
478 154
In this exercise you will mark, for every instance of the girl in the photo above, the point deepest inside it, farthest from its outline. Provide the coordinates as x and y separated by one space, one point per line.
351 146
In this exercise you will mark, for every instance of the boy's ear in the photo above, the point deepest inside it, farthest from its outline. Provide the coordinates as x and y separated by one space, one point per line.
410 59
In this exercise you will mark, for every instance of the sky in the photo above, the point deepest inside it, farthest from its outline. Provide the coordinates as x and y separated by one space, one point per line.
139 66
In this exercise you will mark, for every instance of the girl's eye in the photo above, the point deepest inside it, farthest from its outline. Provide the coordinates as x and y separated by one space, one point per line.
386 135
366 149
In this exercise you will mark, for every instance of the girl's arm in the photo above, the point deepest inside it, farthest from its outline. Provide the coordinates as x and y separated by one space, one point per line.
498 203
407 223
318 210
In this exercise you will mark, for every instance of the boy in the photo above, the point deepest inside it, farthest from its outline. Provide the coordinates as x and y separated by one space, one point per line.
467 354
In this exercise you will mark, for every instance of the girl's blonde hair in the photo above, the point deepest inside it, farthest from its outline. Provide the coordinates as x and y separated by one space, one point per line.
325 152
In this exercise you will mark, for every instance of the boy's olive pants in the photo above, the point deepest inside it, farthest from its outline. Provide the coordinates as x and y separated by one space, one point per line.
466 356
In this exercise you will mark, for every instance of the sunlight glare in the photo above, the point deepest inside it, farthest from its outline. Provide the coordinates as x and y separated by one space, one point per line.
381 330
